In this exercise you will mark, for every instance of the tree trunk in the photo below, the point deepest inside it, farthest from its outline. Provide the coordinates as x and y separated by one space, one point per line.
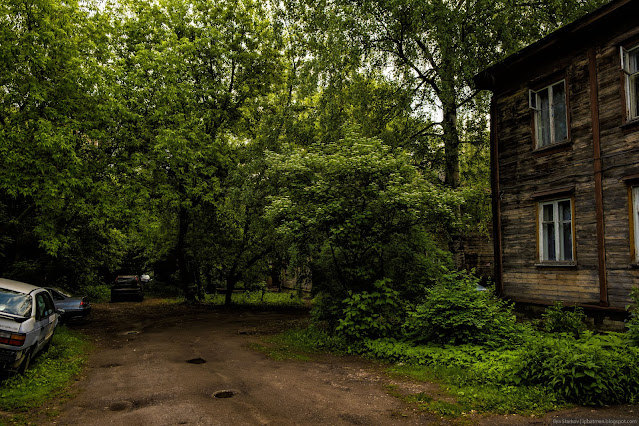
451 145
190 291
230 286
452 179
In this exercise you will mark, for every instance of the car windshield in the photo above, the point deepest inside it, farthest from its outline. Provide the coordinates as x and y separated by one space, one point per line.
14 303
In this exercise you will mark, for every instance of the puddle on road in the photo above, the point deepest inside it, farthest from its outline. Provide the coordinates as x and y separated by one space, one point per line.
224 394
196 361
120 406
131 333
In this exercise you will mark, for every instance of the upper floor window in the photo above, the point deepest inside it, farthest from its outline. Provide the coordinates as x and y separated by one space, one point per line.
556 242
630 67
550 114
635 222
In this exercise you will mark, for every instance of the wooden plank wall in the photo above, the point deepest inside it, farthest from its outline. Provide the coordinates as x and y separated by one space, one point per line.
524 172
620 158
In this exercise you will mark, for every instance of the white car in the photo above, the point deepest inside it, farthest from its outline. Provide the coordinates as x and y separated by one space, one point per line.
28 319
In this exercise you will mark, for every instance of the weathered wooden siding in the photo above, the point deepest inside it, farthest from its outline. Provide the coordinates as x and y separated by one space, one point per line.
620 158
524 172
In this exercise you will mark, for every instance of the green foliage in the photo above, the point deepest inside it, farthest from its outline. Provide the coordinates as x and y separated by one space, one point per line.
301 344
371 315
462 356
557 320
454 312
57 205
355 211
49 375
310 340
327 308
261 299
632 325
96 293
594 370
186 146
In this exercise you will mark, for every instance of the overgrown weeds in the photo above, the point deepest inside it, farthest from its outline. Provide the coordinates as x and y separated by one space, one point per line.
469 341
48 376
261 299
557 319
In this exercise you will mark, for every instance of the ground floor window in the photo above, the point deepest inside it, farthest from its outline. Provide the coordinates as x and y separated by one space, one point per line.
556 240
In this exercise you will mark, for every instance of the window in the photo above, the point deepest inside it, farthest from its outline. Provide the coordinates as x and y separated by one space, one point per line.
550 114
635 221
630 67
44 306
555 231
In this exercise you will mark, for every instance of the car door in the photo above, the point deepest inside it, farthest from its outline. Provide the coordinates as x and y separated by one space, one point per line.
45 318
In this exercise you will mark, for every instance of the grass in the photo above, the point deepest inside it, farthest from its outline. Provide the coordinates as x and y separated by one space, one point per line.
50 374
300 344
252 300
469 396
264 300
461 391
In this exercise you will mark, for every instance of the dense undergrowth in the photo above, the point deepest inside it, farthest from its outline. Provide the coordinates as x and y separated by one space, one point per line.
470 342
263 300
48 375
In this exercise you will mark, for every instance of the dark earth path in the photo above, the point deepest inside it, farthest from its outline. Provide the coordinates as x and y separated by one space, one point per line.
140 375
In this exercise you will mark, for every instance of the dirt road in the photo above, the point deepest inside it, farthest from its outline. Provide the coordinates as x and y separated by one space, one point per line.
141 374
173 365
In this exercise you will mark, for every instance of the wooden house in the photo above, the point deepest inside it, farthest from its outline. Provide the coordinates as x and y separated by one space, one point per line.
565 163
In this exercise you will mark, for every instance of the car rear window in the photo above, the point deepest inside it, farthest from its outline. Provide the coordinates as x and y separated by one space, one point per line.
14 303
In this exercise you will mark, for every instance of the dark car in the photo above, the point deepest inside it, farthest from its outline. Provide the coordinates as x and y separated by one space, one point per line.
74 307
127 286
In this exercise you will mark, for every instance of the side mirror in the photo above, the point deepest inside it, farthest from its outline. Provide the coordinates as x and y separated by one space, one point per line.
60 312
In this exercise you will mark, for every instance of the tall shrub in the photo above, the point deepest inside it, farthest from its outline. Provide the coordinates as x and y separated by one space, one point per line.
455 312
633 322
356 211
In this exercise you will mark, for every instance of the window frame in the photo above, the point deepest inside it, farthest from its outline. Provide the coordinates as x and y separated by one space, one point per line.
533 104
557 223
630 82
633 212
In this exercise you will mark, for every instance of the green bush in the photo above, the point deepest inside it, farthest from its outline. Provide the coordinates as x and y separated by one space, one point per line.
594 370
403 352
454 312
326 309
96 293
632 325
371 314
557 320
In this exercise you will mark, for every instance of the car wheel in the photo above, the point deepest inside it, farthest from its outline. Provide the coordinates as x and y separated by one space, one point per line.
26 362
113 298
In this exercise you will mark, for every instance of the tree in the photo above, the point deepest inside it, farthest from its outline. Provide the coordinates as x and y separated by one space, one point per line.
53 195
434 47
359 212
234 240
190 73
